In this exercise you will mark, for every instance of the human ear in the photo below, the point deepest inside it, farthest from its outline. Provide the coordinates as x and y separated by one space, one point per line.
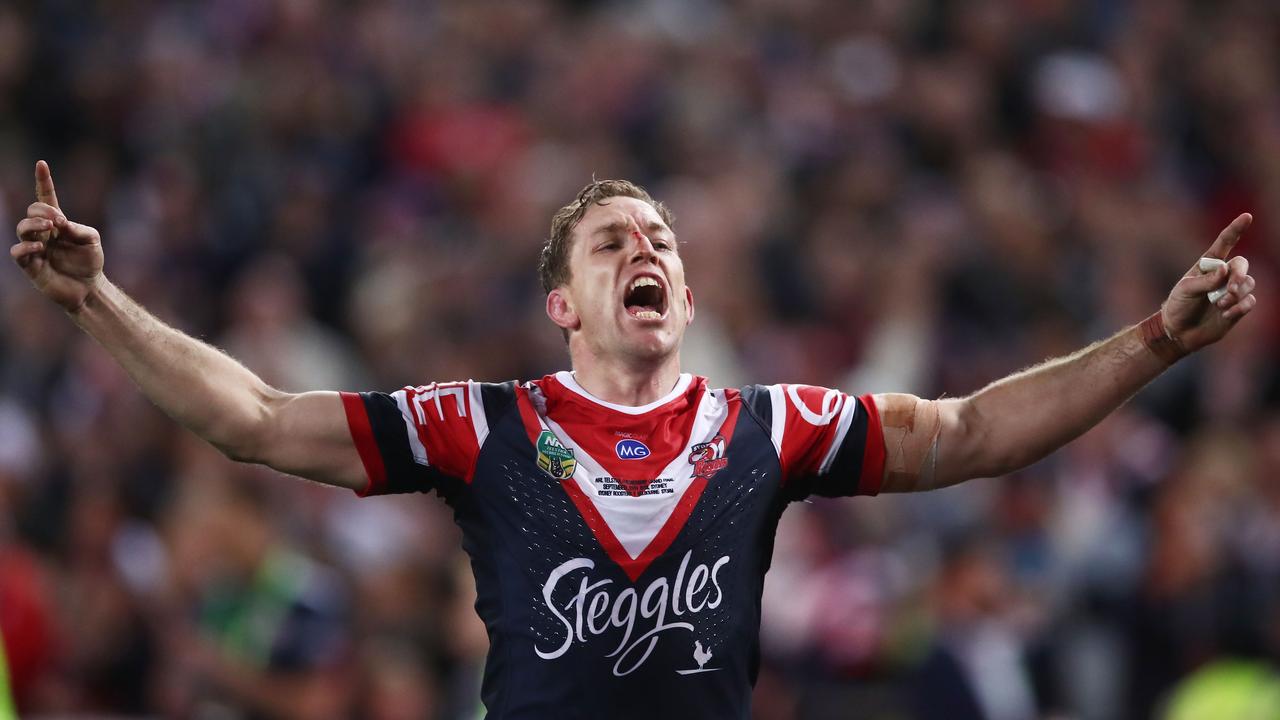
688 302
560 310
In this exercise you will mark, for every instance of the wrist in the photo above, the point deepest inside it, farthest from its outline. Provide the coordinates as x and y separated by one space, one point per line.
1157 338
94 297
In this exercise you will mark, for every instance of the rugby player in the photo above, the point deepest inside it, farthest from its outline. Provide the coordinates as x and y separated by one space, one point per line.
620 516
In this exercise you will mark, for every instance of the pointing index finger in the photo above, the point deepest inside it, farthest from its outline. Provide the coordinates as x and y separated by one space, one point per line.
1230 235
44 184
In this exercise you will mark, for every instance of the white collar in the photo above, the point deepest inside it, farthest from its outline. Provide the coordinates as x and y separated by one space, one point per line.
568 380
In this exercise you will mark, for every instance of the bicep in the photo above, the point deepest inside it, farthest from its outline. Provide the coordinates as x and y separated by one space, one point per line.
308 435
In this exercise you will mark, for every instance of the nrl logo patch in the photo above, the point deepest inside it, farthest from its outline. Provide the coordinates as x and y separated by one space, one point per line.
555 459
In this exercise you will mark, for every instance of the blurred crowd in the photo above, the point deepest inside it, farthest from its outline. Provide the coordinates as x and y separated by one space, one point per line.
887 195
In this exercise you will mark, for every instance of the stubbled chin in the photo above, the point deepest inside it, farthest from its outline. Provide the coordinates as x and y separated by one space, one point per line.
651 341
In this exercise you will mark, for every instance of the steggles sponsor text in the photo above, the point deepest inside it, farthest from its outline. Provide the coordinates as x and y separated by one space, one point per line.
594 609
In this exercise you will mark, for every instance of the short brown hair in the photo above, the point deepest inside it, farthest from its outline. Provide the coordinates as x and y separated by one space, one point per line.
553 266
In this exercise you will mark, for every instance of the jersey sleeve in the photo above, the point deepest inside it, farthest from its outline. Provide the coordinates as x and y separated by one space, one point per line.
828 443
409 438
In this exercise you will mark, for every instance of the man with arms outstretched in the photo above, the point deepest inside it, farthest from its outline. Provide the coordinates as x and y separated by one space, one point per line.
620 517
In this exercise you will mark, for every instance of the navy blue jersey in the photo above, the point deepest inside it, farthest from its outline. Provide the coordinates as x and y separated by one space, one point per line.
619 552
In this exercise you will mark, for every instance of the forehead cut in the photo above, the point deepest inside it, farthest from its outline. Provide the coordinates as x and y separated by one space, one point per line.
620 224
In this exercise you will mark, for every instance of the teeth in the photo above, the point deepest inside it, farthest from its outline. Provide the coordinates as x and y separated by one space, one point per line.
648 315
644 281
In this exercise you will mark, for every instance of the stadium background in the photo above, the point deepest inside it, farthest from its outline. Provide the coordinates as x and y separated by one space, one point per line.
888 195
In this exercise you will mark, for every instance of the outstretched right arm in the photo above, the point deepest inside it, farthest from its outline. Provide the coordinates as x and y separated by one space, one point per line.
201 387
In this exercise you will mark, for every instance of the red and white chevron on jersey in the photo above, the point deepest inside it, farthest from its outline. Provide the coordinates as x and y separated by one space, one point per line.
635 506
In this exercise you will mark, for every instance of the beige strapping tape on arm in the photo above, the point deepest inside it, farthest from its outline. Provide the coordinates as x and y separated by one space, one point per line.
912 427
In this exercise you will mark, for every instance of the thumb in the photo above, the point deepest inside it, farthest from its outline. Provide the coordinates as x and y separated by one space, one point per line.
75 232
1197 284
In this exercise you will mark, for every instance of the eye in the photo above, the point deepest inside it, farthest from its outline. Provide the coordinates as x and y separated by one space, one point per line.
662 244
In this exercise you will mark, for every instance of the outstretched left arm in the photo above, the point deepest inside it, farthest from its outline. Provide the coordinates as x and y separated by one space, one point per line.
1015 421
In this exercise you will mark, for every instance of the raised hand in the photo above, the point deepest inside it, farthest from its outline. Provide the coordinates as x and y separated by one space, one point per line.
62 258
1190 318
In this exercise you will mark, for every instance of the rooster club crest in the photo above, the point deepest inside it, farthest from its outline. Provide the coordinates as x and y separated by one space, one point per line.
708 458
555 459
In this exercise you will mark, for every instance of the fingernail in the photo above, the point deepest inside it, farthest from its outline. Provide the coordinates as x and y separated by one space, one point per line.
1235 287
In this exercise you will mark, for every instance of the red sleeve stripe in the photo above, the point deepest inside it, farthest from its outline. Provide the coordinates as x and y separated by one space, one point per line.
873 453
814 423
444 420
362 435
842 429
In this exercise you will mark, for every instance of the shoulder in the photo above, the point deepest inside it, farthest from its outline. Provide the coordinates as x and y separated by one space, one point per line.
815 405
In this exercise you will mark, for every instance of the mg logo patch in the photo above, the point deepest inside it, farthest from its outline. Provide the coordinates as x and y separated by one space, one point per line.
631 450
555 459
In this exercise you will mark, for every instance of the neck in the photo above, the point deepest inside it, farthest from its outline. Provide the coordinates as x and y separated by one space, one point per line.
622 384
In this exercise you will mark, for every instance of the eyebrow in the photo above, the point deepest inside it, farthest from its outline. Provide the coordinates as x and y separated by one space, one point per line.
612 227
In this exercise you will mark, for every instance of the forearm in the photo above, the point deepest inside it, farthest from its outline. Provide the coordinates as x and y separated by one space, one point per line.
1018 420
202 388
303 434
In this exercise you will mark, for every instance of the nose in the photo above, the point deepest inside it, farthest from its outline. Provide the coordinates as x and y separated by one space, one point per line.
644 247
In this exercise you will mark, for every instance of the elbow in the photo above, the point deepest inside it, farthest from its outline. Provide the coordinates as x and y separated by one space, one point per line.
239 447
975 450
241 452
250 438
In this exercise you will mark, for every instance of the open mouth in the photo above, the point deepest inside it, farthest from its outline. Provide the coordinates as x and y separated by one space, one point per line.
646 299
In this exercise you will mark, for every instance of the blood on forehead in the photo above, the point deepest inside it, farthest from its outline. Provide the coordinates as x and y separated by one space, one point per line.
632 226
